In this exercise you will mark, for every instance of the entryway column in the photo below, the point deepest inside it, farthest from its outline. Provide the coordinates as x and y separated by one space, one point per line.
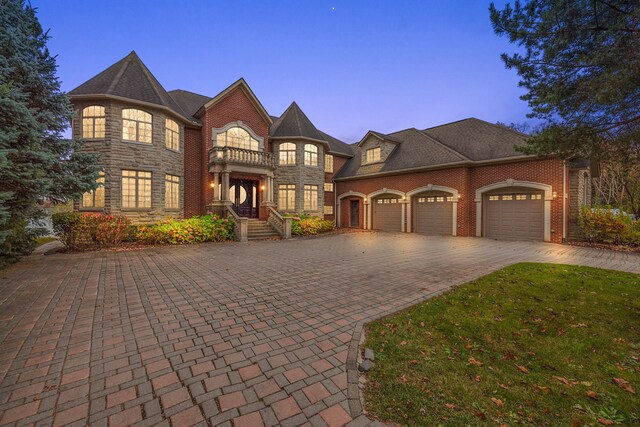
216 187
225 186
270 188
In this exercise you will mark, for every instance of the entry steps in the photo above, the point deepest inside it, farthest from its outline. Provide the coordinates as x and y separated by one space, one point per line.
258 230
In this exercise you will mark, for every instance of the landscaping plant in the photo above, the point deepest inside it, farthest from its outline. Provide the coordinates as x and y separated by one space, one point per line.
197 229
606 225
305 225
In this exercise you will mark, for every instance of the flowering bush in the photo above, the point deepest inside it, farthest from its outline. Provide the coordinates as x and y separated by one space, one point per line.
77 230
606 225
304 225
197 229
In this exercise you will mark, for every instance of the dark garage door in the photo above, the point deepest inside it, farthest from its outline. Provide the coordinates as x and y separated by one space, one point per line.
387 213
433 214
514 216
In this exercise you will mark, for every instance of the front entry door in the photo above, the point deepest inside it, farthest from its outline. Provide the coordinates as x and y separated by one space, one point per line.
243 193
355 213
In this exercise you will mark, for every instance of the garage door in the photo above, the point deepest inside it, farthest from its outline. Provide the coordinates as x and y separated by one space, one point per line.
433 214
514 216
387 213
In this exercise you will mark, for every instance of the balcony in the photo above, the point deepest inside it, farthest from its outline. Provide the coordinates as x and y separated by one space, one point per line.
241 157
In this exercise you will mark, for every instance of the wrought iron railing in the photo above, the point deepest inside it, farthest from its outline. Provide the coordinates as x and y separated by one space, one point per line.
242 157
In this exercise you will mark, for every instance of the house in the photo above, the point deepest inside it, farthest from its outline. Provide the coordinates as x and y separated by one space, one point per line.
180 154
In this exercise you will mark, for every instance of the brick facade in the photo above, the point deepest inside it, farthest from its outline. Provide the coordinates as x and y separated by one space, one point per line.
466 180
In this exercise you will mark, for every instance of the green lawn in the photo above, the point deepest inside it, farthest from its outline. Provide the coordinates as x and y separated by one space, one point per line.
532 344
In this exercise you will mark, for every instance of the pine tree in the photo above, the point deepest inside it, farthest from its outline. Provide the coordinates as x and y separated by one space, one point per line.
579 61
36 162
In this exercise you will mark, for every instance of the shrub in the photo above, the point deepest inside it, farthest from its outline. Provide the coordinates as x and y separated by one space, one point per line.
304 225
77 230
197 229
605 225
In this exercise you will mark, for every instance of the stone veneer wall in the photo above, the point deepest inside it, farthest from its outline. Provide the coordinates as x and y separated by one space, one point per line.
300 175
579 195
372 142
116 155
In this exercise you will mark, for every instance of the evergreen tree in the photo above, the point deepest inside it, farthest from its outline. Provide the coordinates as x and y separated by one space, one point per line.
579 61
36 163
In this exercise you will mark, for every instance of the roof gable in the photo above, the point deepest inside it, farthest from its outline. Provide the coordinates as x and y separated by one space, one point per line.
190 102
239 84
380 136
294 123
129 78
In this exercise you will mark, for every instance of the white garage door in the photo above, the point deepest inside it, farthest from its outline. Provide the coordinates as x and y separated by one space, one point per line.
514 216
433 214
387 214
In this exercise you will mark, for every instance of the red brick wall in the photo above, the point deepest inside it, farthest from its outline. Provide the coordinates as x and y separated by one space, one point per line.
466 180
193 173
236 106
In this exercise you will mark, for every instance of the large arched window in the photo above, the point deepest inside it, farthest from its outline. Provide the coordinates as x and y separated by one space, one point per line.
287 152
93 121
238 138
136 125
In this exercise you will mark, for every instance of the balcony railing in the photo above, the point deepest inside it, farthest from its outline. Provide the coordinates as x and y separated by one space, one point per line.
240 156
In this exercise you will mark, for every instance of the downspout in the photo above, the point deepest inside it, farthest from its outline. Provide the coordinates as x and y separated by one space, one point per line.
335 203
564 201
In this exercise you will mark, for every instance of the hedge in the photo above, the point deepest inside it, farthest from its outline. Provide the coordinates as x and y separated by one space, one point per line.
304 225
606 225
78 230
197 229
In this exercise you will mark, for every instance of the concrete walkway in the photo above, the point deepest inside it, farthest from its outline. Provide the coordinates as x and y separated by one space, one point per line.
242 334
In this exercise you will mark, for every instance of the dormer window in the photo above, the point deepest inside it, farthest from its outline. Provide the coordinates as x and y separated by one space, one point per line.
238 138
310 155
373 155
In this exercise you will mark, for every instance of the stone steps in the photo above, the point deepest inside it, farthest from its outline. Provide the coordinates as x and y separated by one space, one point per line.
258 230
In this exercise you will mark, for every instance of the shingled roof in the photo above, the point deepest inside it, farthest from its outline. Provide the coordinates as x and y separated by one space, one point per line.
130 78
336 146
294 123
477 139
190 102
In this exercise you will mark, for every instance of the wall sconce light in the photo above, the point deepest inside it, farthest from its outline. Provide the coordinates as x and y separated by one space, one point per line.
404 197
365 200
212 185
555 194
262 187
459 196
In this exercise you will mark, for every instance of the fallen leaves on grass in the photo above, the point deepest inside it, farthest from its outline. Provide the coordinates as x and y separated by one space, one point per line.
624 384
605 421
497 401
474 361
562 380
592 395
450 405
503 386
522 369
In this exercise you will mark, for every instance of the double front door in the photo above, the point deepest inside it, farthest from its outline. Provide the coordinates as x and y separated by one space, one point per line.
243 193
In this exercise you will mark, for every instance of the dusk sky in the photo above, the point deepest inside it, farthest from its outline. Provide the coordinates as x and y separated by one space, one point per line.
350 65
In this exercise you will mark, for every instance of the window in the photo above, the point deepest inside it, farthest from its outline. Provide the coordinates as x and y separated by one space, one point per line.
439 199
310 197
287 197
328 186
171 191
136 189
421 199
136 125
536 197
310 155
93 120
373 155
507 197
328 209
238 138
172 135
328 163
494 198
95 198
287 153
431 199
521 197
450 199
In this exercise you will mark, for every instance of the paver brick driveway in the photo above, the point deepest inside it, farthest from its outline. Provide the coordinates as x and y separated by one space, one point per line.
221 334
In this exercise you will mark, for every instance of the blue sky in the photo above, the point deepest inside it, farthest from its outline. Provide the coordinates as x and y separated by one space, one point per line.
350 65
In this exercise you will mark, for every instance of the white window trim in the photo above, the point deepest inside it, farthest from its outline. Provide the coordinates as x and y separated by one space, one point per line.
216 131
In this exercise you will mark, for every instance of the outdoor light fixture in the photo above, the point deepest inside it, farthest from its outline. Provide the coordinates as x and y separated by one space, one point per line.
212 185
555 194
262 188
459 196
